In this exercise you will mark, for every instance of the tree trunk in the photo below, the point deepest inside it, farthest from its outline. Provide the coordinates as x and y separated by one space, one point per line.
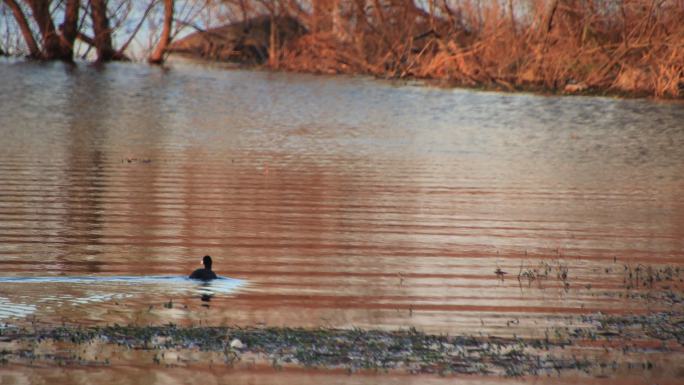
549 12
19 16
69 27
273 43
52 48
157 57
511 14
322 15
360 12
103 34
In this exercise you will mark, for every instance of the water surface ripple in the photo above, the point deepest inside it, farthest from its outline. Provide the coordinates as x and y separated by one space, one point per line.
343 201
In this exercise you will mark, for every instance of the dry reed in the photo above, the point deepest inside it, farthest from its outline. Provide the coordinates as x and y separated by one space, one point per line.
631 47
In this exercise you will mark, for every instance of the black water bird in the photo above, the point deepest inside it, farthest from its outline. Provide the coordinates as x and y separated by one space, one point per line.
204 274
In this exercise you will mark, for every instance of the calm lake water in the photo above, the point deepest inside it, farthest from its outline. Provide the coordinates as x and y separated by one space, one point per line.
334 202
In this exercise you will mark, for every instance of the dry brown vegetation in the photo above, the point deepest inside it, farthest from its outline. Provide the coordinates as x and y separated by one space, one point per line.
620 46
633 47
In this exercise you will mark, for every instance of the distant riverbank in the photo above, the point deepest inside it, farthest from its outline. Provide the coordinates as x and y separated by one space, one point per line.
636 50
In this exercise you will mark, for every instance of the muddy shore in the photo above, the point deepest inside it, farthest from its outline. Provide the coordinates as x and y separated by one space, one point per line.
601 348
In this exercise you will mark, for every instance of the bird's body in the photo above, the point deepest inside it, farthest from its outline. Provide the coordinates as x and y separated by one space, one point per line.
205 274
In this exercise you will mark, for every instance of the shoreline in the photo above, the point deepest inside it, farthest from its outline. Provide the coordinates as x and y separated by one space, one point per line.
607 346
430 82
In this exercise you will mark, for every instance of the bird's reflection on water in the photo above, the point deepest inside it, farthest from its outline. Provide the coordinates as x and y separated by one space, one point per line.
205 293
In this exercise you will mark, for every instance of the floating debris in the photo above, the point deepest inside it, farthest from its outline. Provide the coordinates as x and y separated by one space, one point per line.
136 160
500 273
236 344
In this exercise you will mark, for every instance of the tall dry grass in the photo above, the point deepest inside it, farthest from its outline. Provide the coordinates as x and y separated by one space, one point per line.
624 46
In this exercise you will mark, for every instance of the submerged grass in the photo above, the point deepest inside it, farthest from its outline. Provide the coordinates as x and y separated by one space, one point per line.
659 326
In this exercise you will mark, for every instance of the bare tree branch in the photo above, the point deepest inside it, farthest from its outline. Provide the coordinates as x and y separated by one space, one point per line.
19 16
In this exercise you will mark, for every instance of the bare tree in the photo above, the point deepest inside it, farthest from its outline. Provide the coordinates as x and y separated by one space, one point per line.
69 28
94 23
34 50
50 39
103 34
157 56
